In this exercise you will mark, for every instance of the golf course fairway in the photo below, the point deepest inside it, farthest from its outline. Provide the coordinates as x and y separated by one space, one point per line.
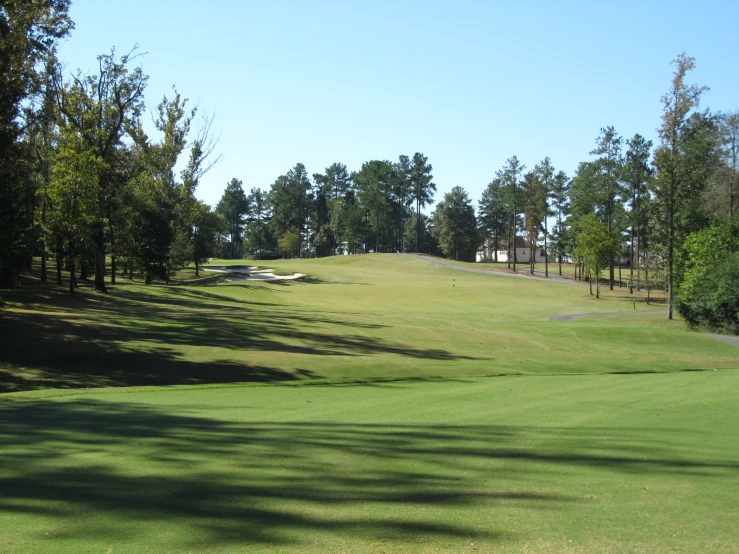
370 407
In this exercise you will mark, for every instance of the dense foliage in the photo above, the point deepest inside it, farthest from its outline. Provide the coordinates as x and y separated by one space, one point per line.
709 293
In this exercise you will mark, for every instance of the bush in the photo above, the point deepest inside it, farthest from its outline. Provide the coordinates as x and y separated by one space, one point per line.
713 302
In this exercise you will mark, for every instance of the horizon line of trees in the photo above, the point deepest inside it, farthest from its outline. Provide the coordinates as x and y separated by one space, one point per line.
84 185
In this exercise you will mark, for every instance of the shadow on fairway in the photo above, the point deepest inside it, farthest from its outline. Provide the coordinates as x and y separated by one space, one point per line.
131 337
121 470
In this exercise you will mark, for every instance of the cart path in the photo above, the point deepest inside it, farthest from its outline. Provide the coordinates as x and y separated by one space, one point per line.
574 317
435 261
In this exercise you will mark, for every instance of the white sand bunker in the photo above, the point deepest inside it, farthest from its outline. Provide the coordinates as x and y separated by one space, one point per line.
252 274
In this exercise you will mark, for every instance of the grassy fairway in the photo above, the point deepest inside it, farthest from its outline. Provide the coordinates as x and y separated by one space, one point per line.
428 455
599 463
378 317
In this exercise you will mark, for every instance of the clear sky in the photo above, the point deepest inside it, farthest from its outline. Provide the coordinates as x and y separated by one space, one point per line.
468 84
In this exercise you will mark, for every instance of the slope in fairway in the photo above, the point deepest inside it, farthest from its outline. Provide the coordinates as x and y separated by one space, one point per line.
590 463
356 318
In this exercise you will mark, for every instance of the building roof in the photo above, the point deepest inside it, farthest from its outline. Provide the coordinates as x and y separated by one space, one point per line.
520 243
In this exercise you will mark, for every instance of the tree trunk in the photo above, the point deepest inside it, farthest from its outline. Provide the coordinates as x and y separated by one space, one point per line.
72 278
113 256
400 229
514 226
559 239
638 261
633 223
377 232
546 230
495 244
532 258
197 269
418 223
509 244
100 244
670 244
610 257
59 263
590 282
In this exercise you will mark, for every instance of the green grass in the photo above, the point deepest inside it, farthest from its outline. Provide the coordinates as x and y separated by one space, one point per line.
588 464
355 318
401 443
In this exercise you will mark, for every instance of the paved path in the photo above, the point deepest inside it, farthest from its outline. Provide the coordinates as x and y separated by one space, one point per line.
435 261
725 338
574 317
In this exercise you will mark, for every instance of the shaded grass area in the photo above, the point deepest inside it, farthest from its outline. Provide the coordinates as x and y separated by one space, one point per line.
358 318
639 463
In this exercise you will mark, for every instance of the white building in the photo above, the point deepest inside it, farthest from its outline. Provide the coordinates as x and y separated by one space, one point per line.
523 253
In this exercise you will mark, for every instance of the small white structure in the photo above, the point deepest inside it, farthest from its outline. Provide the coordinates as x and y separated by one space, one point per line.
485 252
523 253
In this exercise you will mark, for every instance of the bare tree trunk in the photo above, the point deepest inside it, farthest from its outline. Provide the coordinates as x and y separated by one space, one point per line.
495 244
546 230
112 269
670 251
590 282
100 244
509 244
532 257
610 257
72 278
514 228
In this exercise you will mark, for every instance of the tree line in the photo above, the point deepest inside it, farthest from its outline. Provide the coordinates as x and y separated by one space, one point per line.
83 185
375 209
667 212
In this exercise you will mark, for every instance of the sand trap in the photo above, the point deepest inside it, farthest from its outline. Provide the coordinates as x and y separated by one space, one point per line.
252 274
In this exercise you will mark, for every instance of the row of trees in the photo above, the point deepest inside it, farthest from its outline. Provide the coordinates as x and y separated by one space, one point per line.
630 202
82 182
377 208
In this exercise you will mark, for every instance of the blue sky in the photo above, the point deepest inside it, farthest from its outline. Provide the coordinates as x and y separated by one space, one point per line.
468 84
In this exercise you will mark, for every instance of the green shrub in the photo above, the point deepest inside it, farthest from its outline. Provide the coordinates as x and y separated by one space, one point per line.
713 301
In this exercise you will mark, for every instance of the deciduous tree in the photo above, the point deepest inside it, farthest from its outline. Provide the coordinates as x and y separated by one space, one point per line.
669 158
101 107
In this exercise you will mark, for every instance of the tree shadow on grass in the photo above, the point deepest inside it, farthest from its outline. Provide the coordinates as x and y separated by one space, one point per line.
129 471
138 337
